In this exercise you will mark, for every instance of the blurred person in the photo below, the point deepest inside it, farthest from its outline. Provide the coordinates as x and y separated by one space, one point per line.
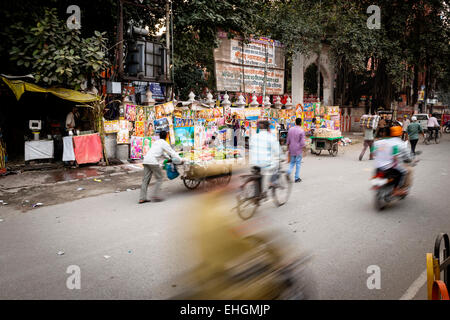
413 131
296 147
405 125
390 154
381 129
152 165
265 152
242 261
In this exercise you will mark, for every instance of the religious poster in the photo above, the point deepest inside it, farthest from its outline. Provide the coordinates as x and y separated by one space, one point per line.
140 113
146 145
130 112
200 136
136 147
150 113
149 129
123 125
123 136
111 126
159 112
139 130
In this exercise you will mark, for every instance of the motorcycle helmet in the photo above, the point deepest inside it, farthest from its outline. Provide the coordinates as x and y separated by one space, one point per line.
396 131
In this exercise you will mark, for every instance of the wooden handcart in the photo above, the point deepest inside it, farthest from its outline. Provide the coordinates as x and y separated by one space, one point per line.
331 144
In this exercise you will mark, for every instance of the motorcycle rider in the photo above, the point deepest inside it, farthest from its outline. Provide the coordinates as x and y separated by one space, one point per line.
390 153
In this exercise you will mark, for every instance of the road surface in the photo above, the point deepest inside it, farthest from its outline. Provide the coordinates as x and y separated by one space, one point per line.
130 251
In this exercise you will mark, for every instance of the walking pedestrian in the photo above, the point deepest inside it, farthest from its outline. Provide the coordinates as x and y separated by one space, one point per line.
296 146
152 166
413 133
368 143
406 123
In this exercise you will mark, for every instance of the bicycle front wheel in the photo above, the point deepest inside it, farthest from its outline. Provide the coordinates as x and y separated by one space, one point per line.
247 200
282 190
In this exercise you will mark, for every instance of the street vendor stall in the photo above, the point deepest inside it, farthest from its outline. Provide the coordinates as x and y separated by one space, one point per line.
326 130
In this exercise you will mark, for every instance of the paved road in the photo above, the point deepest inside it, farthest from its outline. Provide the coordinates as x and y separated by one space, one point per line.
330 213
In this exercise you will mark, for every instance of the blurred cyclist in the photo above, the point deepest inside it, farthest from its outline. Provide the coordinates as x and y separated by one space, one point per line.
265 152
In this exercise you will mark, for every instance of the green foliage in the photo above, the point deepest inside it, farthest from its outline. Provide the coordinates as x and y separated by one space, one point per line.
196 23
56 55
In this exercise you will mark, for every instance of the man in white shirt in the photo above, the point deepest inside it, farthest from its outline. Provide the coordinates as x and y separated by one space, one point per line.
432 124
265 152
152 165
389 156
70 119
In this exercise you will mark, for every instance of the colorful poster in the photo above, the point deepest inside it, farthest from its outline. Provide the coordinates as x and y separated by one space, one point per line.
184 136
168 108
146 145
171 133
149 129
139 130
123 136
111 126
150 113
200 136
123 125
130 112
140 113
159 111
161 125
136 147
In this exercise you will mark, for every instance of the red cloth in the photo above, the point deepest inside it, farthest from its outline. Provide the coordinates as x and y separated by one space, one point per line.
87 148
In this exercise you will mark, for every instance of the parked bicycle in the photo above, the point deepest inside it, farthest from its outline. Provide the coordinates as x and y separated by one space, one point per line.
251 194
434 134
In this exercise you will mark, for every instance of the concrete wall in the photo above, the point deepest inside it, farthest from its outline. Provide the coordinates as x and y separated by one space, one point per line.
299 65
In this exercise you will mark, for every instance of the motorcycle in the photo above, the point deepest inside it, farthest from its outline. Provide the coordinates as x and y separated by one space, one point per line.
446 127
383 185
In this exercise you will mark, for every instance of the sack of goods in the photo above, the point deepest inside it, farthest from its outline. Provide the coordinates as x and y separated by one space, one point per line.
369 121
327 133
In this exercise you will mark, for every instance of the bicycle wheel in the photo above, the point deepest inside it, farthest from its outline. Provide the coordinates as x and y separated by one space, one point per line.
283 189
247 200
437 138
427 139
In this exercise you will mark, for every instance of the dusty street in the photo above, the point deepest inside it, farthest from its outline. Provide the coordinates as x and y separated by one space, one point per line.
131 251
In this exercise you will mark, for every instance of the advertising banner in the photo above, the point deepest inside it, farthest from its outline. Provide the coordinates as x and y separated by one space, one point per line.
240 66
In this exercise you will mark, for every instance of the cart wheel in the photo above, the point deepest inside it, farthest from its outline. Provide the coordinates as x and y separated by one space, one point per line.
191 184
334 150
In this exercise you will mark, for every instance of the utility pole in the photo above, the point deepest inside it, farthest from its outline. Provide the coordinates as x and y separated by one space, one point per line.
318 76
168 39
265 76
120 34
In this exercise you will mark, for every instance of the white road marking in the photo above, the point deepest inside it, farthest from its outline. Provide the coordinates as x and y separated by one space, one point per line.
415 286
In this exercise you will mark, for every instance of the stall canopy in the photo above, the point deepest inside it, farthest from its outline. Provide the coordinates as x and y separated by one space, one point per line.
20 86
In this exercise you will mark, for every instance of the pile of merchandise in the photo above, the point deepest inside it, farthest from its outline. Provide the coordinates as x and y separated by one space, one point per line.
369 121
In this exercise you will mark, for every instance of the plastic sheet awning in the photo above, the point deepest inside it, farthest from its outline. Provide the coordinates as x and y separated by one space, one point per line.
19 87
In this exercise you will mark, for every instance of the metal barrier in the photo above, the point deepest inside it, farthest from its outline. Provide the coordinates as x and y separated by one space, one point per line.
437 289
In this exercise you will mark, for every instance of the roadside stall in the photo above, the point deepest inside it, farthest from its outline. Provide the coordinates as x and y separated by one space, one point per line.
326 133
82 145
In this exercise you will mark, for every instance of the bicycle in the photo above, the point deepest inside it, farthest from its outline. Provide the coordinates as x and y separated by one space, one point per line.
429 136
251 194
